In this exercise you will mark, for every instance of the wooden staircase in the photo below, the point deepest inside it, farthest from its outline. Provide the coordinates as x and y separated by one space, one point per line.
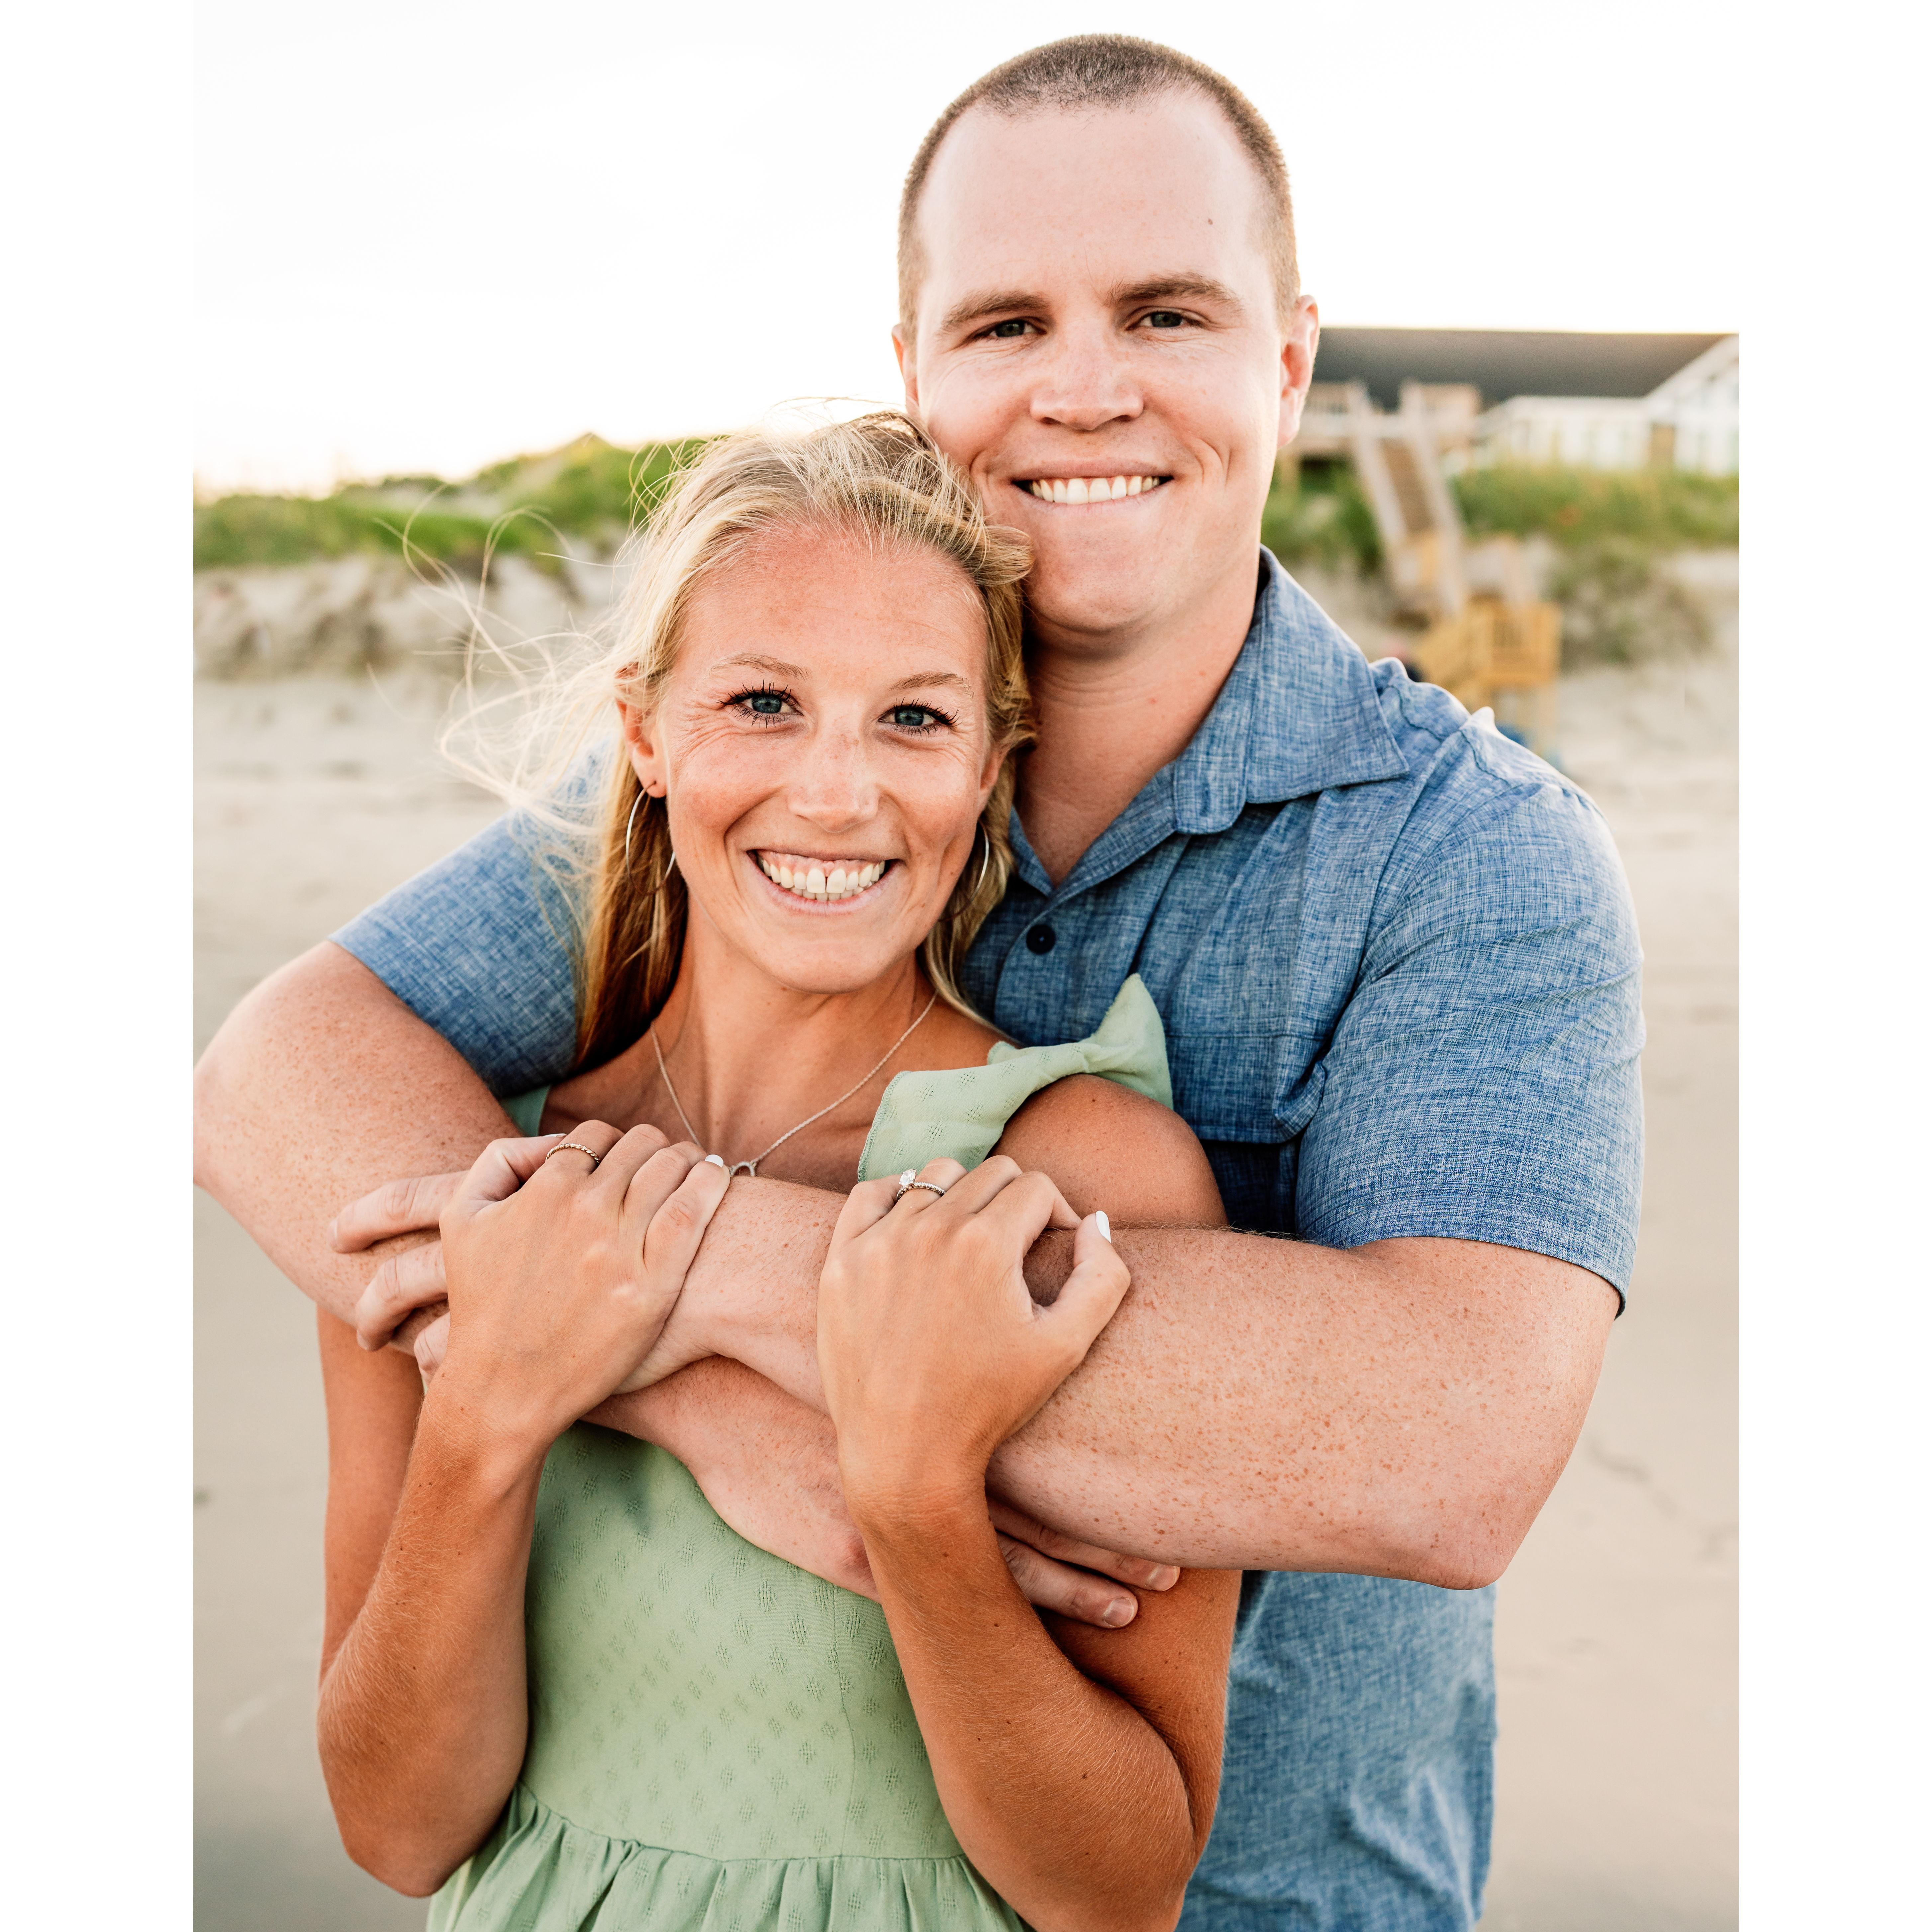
1495 648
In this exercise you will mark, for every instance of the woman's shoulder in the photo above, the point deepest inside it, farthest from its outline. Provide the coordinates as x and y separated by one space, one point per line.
952 1041
1108 1147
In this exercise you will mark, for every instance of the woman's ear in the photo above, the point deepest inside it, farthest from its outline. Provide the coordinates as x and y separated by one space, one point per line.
641 742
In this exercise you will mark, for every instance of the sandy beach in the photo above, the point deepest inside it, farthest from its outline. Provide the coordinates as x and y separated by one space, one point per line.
1616 1624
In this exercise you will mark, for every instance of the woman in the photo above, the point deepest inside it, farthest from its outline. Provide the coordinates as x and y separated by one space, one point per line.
555 1683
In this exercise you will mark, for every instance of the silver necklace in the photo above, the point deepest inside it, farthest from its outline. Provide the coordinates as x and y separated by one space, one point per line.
751 1166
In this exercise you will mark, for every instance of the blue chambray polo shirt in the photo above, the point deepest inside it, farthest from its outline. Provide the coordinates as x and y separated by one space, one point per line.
1398 967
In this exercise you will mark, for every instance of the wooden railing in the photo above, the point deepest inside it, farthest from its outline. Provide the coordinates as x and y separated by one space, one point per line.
1506 656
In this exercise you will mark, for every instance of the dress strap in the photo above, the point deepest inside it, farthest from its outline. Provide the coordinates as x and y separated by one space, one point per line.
527 1110
963 1111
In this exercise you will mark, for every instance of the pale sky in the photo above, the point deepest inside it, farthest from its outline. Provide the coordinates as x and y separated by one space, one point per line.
432 235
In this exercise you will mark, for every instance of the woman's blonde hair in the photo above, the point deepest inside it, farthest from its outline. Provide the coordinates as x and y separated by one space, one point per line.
881 478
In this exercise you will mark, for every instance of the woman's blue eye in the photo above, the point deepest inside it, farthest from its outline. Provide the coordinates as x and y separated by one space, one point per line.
767 703
914 717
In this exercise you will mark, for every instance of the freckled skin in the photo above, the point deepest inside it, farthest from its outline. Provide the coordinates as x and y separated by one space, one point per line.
832 770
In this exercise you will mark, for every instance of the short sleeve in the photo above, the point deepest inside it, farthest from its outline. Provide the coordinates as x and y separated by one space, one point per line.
1482 1084
478 946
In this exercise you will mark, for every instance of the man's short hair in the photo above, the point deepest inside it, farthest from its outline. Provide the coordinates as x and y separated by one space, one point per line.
1102 70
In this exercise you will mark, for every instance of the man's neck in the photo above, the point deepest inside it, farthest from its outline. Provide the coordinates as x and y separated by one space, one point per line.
1112 711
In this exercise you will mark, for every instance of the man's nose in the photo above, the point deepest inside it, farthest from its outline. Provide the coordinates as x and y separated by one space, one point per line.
1085 382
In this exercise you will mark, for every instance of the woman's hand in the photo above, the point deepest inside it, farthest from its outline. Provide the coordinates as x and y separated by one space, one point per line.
928 1370
403 1306
560 1271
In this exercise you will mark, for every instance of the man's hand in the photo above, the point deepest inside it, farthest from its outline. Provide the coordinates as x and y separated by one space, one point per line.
733 1430
410 1281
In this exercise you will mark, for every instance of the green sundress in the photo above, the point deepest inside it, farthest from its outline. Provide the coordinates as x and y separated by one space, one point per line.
720 1742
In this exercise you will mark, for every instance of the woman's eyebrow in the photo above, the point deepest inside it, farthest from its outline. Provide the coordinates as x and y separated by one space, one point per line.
924 680
754 660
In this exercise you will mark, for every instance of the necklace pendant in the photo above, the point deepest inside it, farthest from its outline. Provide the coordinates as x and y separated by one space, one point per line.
750 1167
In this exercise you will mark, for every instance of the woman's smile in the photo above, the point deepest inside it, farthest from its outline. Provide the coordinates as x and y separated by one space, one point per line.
803 879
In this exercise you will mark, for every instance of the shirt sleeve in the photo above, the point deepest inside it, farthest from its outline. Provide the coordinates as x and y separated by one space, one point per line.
1482 1085
479 946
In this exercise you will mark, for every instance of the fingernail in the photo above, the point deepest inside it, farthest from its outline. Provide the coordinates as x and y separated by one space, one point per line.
1101 1222
1119 1612
714 1160
1162 1575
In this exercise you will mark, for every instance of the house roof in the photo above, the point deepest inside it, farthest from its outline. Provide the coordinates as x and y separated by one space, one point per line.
1504 362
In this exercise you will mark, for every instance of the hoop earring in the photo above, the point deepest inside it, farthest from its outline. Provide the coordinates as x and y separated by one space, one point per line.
629 822
985 859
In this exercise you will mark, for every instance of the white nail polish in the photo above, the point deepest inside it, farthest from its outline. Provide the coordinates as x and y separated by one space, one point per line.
1105 1226
714 1160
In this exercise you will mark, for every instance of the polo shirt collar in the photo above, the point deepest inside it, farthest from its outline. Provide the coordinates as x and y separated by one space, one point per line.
1298 715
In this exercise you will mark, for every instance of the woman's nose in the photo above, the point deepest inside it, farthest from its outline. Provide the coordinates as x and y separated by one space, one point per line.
835 788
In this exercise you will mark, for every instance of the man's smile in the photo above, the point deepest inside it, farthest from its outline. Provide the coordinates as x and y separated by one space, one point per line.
1088 489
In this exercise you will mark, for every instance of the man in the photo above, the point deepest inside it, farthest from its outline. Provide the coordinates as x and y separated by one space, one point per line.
1393 953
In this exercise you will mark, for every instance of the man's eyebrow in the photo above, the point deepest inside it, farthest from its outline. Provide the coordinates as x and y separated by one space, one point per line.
1155 288
990 303
1175 288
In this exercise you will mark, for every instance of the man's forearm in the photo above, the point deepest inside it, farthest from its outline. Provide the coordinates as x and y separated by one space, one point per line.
1401 1410
321 1086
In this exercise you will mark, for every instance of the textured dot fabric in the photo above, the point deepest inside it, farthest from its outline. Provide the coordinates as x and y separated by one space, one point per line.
719 1739
1397 966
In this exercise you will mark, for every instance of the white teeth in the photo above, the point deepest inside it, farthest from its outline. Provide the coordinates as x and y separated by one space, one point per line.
820 882
1090 489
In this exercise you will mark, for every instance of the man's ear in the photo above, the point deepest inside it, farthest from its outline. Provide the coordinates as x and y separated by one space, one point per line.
643 745
1299 341
989 774
908 369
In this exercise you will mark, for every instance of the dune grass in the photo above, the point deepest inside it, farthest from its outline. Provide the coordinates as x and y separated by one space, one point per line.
586 495
1322 516
583 497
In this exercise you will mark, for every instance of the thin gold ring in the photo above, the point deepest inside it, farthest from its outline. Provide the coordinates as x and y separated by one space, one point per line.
575 1147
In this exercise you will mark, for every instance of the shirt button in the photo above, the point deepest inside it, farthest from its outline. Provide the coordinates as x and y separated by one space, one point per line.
1040 939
